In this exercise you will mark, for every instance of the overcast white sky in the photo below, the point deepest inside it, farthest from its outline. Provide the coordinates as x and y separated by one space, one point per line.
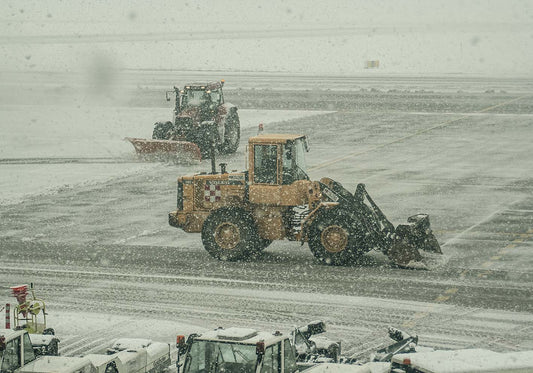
411 36
212 13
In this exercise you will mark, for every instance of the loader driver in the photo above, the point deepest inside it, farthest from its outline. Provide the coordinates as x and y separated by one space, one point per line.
288 165
293 162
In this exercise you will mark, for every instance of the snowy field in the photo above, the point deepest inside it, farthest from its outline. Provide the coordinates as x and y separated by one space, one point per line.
87 223
444 126
75 146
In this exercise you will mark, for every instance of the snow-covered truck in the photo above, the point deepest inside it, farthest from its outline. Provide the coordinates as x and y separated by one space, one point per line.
126 356
463 361
245 350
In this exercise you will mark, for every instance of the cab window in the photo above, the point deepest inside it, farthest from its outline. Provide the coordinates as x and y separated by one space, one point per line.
272 359
289 357
29 355
215 96
11 358
294 162
266 164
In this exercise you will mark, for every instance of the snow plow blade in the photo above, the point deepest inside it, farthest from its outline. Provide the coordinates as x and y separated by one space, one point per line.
177 151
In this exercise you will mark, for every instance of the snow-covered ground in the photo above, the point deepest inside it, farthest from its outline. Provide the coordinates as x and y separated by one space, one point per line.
443 126
57 147
101 250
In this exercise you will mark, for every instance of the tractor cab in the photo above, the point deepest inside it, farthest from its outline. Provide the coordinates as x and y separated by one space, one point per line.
202 96
15 350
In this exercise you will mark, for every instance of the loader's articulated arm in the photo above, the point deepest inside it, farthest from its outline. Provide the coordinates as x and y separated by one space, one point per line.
400 244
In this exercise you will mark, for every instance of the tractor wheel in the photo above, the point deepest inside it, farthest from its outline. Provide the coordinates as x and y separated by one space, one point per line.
333 238
232 134
230 234
162 130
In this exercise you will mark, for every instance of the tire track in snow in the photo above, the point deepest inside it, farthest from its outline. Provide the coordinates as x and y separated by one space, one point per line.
126 276
446 325
477 326
92 341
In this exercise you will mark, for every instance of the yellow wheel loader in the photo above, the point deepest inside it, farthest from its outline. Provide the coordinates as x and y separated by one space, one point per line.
241 213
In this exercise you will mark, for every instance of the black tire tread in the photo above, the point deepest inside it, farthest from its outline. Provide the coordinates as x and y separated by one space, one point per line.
337 217
248 231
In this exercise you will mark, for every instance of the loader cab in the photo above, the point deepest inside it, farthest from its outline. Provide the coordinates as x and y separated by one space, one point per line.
277 170
278 159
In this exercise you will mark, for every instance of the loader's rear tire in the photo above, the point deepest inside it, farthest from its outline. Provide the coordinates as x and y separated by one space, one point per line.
230 234
334 238
232 134
162 130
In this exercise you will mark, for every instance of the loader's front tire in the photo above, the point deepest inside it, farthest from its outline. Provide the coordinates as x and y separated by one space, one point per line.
230 234
334 238
232 134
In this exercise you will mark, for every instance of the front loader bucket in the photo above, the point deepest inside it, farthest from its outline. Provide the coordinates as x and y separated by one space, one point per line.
411 237
418 233
178 151
422 236
406 256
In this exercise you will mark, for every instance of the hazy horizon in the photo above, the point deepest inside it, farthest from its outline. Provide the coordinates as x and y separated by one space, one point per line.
415 37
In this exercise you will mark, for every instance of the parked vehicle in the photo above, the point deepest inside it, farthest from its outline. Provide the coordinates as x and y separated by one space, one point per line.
127 356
